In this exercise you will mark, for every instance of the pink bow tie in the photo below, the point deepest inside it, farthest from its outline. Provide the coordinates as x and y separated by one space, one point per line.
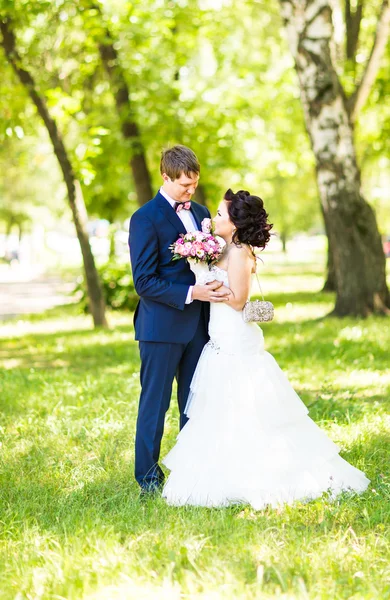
182 205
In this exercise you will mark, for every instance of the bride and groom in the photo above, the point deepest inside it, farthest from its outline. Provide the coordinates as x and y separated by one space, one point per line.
245 436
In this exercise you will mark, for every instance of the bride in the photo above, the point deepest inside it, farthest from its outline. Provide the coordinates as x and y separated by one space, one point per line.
249 438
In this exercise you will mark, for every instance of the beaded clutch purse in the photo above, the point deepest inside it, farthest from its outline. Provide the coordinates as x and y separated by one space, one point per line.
258 310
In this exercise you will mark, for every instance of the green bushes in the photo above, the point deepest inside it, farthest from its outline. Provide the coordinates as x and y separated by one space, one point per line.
118 287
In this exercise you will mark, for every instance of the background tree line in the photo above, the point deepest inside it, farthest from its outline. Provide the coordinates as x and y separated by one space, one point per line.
110 84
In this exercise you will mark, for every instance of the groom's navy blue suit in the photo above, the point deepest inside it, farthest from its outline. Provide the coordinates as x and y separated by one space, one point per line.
171 333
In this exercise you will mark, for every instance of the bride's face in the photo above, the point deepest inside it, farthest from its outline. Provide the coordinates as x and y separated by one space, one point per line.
222 223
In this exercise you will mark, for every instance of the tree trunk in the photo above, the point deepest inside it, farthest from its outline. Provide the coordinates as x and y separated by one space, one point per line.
75 196
330 282
353 19
359 261
130 130
200 195
9 225
283 239
112 231
362 91
20 234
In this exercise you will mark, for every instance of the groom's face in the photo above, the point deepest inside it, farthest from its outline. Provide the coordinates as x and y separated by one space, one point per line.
182 188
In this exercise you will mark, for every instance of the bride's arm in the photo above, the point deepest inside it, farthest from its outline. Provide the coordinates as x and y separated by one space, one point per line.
239 273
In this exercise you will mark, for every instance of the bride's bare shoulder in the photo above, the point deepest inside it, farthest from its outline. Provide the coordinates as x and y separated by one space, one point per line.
241 254
241 249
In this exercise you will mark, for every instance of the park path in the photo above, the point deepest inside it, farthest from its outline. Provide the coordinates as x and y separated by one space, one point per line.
24 291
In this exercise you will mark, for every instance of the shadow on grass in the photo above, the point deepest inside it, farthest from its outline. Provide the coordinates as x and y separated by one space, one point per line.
38 360
68 475
346 411
309 297
47 351
301 341
319 340
112 500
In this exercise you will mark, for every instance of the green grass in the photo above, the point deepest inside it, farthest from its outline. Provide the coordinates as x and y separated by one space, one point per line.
71 523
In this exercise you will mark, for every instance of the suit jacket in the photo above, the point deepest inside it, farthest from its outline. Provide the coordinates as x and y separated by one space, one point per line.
162 284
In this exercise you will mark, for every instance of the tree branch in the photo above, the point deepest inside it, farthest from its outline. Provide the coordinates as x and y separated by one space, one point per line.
360 95
352 26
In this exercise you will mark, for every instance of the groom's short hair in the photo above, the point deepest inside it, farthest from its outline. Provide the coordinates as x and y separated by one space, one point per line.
177 160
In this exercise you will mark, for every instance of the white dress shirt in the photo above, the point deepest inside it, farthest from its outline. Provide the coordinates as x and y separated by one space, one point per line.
187 218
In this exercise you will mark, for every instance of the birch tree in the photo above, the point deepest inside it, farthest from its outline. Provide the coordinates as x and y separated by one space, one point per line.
355 242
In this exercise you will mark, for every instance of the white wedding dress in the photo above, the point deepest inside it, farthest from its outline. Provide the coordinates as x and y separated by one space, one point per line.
249 438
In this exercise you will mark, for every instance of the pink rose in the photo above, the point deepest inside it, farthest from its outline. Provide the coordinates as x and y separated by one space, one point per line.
206 225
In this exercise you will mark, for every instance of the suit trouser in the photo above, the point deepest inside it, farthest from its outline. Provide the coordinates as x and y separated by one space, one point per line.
160 364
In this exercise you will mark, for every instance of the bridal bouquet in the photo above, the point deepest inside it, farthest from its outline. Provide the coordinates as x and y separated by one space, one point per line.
201 249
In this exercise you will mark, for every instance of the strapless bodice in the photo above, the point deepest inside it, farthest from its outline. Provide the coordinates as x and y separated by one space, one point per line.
227 329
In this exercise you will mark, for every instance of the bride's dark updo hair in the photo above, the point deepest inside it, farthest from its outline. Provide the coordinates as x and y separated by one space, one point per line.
248 215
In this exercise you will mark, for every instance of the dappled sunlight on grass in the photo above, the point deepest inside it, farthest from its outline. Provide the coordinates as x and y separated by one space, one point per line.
128 589
72 525
59 319
300 312
272 284
363 380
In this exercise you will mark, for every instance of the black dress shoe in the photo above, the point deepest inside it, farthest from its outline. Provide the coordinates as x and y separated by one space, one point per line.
150 490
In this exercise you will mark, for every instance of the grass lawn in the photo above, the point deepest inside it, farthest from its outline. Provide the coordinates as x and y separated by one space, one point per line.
71 523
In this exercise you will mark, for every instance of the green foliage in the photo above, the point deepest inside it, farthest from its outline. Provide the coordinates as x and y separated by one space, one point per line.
373 134
118 287
228 91
216 76
72 525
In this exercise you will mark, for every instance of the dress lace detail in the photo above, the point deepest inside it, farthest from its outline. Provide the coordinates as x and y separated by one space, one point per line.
249 438
213 345
220 274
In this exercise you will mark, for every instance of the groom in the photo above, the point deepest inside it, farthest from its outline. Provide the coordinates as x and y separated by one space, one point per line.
171 319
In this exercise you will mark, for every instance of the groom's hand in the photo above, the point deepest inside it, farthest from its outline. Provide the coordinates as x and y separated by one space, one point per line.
211 292
224 294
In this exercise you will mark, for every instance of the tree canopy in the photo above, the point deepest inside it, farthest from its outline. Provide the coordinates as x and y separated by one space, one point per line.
216 76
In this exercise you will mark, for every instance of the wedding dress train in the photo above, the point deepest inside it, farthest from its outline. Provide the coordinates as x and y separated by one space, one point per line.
249 438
